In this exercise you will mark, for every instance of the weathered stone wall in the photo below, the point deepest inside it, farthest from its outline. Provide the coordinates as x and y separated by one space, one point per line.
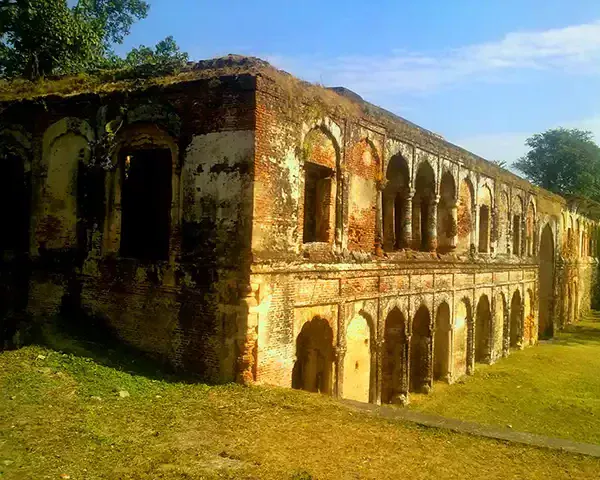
186 308
340 250
470 302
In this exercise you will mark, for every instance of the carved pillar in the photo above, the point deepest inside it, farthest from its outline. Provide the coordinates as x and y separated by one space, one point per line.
432 224
474 247
407 226
404 381
506 332
492 334
520 336
379 346
248 340
379 240
340 355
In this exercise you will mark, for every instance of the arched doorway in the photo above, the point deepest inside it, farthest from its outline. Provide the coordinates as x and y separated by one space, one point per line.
394 357
357 361
420 348
546 288
515 319
442 342
462 325
482 330
314 357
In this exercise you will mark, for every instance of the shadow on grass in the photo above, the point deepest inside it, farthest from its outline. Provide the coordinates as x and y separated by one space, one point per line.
92 338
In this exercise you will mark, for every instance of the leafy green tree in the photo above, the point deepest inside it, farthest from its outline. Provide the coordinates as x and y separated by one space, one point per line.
165 54
47 37
564 161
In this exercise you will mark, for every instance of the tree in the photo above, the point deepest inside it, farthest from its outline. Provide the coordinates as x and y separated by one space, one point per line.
564 161
46 37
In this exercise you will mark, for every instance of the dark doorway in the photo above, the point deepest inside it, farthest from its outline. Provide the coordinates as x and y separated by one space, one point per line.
146 204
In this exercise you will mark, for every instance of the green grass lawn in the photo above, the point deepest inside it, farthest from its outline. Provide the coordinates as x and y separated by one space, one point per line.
552 389
67 414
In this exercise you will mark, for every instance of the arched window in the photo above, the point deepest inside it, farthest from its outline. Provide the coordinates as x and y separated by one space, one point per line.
446 227
485 208
422 216
319 193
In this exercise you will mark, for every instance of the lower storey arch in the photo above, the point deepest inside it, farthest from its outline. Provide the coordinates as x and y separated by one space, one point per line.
420 351
357 360
395 358
313 369
442 343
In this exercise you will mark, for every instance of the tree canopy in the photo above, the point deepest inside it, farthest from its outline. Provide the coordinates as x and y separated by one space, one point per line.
564 161
48 37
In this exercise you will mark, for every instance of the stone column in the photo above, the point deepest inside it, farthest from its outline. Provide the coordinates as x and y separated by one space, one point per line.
405 380
407 226
520 335
506 331
340 354
432 224
379 346
247 341
379 240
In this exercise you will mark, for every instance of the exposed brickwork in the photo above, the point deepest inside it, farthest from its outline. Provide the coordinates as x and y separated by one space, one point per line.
246 290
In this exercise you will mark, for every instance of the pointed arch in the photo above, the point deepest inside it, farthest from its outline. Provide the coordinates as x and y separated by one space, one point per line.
420 350
395 357
446 226
422 207
442 343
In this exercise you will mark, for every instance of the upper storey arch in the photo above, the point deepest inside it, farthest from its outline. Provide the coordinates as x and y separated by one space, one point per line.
466 205
530 227
396 204
517 222
424 223
321 157
485 205
447 212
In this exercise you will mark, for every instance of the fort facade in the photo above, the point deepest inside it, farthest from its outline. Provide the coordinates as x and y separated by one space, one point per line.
243 225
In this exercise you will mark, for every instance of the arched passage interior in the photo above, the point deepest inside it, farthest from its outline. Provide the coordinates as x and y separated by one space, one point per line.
314 357
420 348
515 319
423 207
394 356
546 284
442 343
395 204
482 330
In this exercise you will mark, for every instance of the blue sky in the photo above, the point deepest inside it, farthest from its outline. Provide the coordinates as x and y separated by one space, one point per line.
485 74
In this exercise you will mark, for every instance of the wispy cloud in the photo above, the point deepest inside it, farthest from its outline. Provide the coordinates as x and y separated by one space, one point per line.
572 49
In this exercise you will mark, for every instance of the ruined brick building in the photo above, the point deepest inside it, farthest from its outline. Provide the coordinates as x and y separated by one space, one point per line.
241 224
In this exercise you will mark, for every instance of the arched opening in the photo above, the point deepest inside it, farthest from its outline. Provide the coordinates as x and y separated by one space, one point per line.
515 319
503 223
485 207
66 147
516 226
465 219
546 288
15 193
446 227
320 169
442 342
570 304
357 361
396 217
395 357
530 230
420 350
482 330
314 357
462 325
498 335
422 208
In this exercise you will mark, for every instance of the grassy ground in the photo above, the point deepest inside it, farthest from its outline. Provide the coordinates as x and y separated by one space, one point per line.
68 415
552 389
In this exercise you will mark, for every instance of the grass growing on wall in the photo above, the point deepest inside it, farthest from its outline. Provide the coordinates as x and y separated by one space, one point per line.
83 411
552 389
